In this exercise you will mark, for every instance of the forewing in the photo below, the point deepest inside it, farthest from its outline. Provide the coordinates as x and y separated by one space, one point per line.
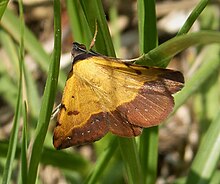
81 118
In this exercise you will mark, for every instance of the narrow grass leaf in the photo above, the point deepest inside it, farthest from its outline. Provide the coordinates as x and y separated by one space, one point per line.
61 159
24 147
193 17
14 135
102 162
161 54
94 13
147 29
216 177
3 5
131 160
48 98
148 148
13 139
78 23
208 155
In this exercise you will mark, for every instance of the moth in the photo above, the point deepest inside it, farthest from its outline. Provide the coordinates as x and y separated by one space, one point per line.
104 94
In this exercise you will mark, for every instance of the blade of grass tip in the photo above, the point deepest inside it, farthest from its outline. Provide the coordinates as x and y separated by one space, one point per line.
3 5
160 55
102 161
193 17
48 98
24 147
208 155
148 39
14 135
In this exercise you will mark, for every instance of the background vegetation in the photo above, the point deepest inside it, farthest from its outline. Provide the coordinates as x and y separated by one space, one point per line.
184 149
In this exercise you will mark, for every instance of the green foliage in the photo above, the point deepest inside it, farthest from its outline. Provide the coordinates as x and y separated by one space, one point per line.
136 159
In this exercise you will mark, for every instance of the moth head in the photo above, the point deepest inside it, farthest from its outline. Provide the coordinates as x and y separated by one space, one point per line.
78 49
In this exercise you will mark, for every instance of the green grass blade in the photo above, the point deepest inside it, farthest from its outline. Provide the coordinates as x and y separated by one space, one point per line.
147 41
207 157
3 5
65 160
216 177
78 23
94 13
131 160
61 159
190 21
193 17
102 162
24 110
48 98
24 147
147 25
149 154
160 55
14 135
13 138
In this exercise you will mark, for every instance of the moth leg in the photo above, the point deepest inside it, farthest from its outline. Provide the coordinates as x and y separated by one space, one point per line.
55 111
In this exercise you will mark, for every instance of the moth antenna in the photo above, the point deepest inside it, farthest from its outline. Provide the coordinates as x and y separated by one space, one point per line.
94 37
55 111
